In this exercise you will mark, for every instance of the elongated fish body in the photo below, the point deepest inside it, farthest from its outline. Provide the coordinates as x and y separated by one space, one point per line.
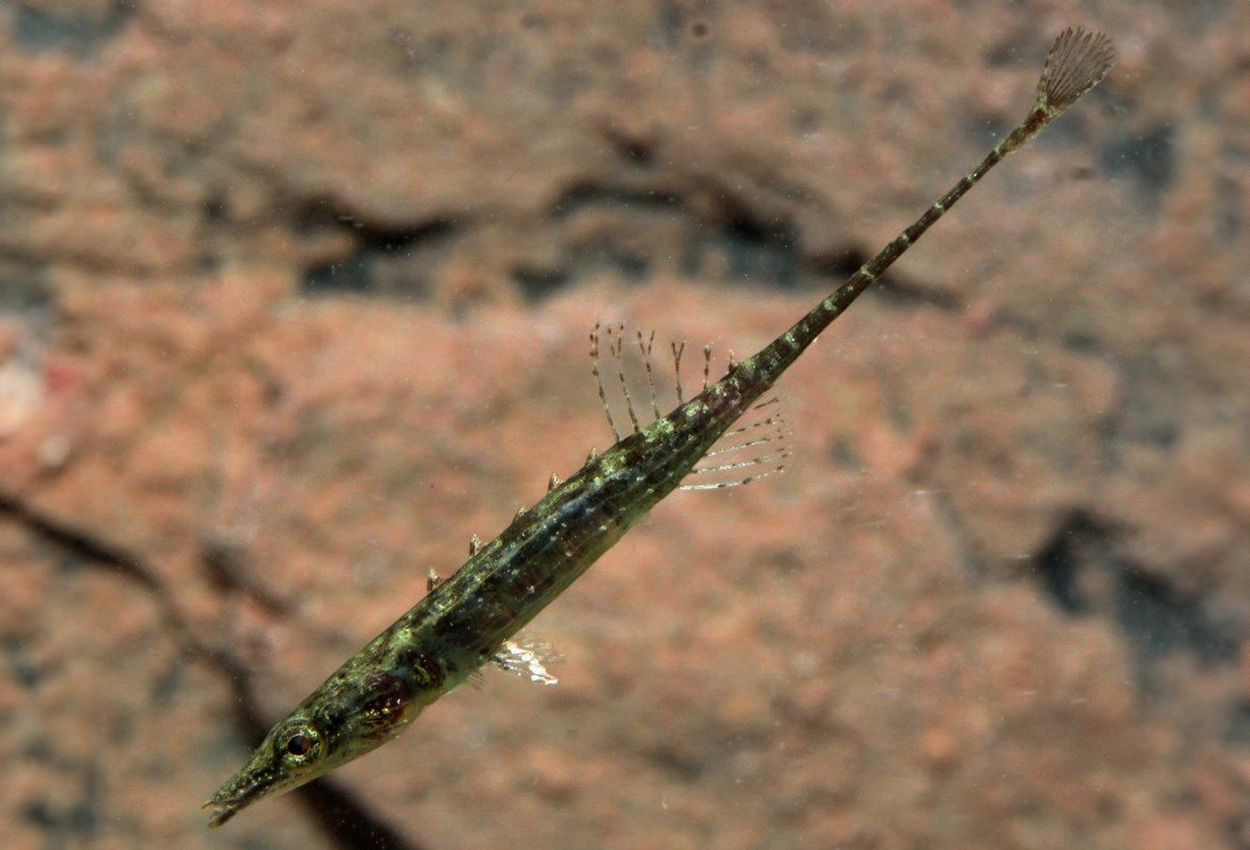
466 620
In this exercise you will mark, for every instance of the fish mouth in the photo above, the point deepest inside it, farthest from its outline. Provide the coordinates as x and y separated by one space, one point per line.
231 799
222 812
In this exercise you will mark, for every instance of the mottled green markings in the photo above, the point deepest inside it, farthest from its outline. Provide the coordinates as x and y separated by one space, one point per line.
464 621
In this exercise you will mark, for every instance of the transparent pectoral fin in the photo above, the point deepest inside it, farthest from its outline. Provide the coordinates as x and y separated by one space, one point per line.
527 659
751 451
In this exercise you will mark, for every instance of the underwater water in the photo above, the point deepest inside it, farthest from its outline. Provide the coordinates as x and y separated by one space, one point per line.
295 300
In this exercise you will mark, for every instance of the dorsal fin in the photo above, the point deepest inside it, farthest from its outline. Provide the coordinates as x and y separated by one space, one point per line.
661 395
616 349
756 448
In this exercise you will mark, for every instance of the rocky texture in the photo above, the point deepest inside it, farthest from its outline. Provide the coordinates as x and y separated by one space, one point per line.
298 298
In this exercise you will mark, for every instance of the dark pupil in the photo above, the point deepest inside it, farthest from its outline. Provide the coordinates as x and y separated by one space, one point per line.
299 745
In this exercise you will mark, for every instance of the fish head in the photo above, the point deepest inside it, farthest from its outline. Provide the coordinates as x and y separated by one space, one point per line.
294 752
346 717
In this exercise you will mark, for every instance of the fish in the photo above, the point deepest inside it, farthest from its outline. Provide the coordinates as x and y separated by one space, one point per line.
472 618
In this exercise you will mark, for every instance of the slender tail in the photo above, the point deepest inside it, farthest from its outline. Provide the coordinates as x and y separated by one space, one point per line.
1077 61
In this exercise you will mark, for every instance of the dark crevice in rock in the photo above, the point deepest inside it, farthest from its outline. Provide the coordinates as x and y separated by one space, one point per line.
892 289
223 562
80 543
714 231
581 195
385 259
974 563
78 34
720 234
732 237
1148 157
632 151
1039 331
1239 724
710 230
1057 564
69 822
216 208
756 247
1159 621
670 24
676 763
539 283
347 821
1081 571
28 672
1150 413
838 265
1229 222
24 286
344 820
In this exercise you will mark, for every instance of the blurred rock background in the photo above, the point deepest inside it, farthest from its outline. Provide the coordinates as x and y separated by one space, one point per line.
295 298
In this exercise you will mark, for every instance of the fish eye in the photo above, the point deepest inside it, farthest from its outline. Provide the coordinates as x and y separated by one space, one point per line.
298 743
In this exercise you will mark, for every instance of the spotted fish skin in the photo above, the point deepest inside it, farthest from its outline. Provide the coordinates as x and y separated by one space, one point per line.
465 620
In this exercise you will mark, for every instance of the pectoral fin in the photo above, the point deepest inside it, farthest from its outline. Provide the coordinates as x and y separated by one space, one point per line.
527 659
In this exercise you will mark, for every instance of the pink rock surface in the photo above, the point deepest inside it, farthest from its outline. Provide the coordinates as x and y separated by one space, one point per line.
304 290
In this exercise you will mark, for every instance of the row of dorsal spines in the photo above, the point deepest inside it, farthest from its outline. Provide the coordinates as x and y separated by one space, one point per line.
613 340
766 434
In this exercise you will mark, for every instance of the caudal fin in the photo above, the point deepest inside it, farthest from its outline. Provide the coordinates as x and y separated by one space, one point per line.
1077 61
